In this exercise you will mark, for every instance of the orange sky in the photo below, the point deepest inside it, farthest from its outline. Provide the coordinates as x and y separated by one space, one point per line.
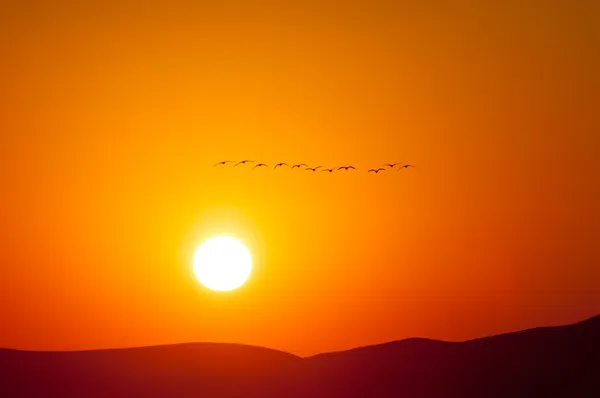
113 114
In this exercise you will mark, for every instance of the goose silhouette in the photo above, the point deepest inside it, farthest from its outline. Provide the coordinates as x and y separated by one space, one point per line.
406 166
223 162
243 162
392 165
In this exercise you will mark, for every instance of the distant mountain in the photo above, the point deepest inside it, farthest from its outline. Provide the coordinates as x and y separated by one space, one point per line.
541 362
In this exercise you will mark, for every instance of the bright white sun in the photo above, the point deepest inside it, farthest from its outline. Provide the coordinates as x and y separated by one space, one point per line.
222 263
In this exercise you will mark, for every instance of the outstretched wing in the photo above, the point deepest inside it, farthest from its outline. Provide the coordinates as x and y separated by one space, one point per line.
244 162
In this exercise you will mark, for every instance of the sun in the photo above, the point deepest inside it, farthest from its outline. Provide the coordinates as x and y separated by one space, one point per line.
222 263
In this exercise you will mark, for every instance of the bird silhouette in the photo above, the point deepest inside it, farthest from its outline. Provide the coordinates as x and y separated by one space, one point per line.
329 170
346 167
280 165
312 169
392 164
243 162
406 166
223 162
299 165
376 171
260 165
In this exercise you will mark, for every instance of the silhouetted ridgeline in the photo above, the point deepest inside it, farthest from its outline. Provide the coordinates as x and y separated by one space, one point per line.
542 362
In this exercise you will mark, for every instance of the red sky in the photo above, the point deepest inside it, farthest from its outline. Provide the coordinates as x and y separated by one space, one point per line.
113 114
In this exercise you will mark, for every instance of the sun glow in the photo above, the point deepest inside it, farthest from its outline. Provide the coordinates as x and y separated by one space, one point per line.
222 263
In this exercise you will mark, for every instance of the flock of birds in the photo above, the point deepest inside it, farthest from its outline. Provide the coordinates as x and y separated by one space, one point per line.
303 166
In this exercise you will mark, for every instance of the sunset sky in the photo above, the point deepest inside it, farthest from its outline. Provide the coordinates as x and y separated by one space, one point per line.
113 113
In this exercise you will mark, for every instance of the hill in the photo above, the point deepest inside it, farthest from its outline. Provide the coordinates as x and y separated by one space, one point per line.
540 362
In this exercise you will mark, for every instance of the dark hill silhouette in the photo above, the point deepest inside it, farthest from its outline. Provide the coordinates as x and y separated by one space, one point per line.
540 362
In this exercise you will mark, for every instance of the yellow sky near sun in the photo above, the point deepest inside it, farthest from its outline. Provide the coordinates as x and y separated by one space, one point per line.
113 115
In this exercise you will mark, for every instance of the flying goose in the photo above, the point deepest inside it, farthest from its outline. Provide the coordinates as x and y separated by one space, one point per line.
223 162
392 164
406 166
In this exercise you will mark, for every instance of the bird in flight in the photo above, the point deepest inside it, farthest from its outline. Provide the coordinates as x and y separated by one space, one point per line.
260 165
376 170
406 166
312 169
392 164
299 165
329 170
280 165
223 162
243 162
346 167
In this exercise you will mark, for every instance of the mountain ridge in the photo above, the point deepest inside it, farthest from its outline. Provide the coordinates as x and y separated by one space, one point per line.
592 319
540 361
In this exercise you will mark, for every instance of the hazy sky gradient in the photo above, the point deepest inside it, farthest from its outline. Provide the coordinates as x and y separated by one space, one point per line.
113 114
